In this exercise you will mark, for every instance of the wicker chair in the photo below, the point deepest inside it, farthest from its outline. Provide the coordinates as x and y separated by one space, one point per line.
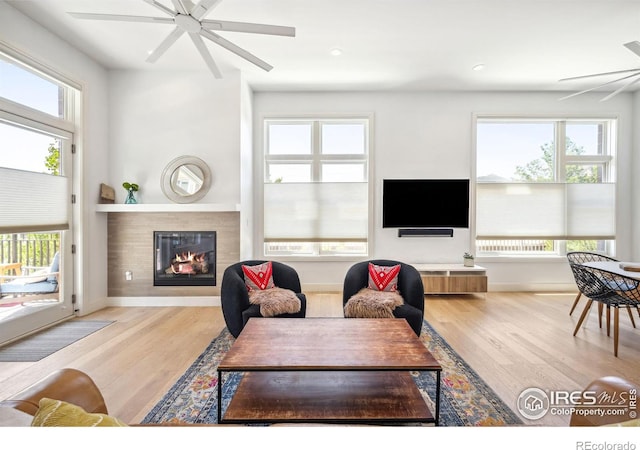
581 258
609 289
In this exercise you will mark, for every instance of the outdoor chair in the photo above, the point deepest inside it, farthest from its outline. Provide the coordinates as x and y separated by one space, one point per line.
234 296
40 284
609 289
409 285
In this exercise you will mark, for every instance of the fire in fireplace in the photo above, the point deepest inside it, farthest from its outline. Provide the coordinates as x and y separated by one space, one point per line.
184 258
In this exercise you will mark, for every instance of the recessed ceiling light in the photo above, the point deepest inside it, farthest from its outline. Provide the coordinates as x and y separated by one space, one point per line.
478 67
335 51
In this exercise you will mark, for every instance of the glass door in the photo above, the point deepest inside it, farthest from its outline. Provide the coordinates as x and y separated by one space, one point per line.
35 227
39 112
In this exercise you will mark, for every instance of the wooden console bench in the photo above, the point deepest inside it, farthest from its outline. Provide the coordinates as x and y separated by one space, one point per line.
452 278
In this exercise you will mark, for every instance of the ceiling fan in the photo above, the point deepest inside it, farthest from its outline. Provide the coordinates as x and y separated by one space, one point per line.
633 77
189 18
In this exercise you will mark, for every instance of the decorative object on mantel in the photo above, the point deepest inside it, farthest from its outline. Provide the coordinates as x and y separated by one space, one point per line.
186 179
468 260
131 188
107 194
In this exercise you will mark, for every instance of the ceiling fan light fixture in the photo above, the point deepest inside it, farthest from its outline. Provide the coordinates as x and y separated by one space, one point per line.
189 18
187 23
633 78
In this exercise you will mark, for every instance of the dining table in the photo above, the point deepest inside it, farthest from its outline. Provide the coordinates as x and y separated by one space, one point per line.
626 269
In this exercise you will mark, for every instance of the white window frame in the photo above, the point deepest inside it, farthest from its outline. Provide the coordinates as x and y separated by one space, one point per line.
67 129
315 159
562 160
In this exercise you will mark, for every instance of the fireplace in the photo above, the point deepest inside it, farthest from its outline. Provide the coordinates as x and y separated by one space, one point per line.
184 258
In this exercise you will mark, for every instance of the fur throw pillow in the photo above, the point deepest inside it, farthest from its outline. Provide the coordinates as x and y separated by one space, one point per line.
275 301
370 303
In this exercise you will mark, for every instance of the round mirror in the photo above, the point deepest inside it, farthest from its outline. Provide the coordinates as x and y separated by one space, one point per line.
186 179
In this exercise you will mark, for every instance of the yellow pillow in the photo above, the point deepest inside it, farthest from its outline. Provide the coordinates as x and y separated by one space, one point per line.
56 413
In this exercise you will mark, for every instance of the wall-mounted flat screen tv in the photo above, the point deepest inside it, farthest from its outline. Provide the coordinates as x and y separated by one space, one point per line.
425 203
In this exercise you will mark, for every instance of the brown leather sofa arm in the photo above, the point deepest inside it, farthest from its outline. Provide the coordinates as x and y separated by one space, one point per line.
69 385
613 391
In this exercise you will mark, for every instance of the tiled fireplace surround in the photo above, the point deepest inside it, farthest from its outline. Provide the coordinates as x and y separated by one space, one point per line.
131 248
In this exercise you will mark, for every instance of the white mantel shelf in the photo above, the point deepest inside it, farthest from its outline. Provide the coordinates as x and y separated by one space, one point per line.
167 207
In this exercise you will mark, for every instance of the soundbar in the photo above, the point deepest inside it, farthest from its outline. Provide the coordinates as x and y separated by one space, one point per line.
425 232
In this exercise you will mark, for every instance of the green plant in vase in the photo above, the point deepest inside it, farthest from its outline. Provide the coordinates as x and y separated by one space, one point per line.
131 188
469 260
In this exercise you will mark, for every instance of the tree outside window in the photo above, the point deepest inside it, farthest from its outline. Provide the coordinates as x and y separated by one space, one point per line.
506 154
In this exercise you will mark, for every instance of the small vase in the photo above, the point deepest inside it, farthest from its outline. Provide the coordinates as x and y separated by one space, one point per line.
131 198
469 262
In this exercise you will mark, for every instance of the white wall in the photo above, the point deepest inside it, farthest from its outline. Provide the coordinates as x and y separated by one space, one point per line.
136 122
156 117
430 134
634 243
92 159
246 172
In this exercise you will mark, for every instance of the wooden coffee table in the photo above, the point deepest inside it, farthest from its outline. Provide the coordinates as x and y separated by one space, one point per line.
329 370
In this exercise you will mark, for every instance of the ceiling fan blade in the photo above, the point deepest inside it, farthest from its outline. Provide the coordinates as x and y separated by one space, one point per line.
235 49
634 46
600 74
121 18
202 48
203 8
244 27
622 88
161 7
601 85
165 44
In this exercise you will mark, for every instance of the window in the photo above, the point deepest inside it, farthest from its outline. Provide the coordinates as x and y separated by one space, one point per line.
34 193
43 94
544 186
33 149
36 133
316 187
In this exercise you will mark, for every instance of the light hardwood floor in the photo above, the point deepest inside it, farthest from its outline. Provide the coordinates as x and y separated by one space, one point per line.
513 340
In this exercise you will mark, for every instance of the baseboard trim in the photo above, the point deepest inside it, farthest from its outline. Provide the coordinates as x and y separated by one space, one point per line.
532 287
320 287
163 301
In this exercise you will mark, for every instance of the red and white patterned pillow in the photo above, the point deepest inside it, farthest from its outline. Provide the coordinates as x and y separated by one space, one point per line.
258 278
383 278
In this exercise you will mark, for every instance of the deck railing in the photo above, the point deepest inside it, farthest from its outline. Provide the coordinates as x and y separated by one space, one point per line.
513 246
29 249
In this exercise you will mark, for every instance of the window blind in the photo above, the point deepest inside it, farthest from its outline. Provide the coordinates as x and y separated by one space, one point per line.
31 201
545 210
315 212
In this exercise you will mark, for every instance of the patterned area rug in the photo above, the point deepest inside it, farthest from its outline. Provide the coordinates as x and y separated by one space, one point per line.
466 400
